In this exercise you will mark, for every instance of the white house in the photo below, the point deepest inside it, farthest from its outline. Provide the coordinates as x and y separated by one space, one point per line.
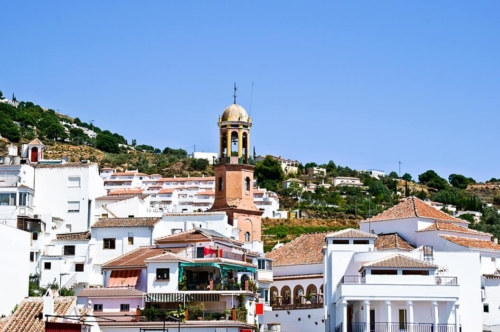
316 171
347 181
14 253
289 166
209 156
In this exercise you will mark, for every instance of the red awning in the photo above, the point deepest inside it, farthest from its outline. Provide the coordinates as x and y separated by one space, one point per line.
123 278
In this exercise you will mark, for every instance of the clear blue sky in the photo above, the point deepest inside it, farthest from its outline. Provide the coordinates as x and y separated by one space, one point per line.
362 83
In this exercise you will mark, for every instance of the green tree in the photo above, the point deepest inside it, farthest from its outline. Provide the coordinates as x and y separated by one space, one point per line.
107 143
427 176
459 181
393 175
330 167
134 142
198 164
309 165
468 217
175 154
9 129
406 177
433 180
50 126
269 169
1 95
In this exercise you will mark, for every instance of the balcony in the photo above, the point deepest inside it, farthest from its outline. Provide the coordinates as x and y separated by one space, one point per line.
412 286
397 327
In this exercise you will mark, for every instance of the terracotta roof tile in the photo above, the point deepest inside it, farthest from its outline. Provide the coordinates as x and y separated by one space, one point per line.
137 257
36 141
208 178
205 193
413 207
351 233
125 191
126 222
166 191
117 198
168 256
124 173
450 227
82 236
306 249
392 241
400 261
472 243
192 235
110 292
29 314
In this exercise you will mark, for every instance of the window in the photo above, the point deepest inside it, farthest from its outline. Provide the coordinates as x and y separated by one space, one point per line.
162 274
247 184
68 228
247 237
221 184
69 250
32 256
73 206
493 259
130 238
8 199
47 265
361 241
25 199
124 307
97 307
264 264
384 272
109 243
73 182
415 272
486 308
340 241
35 236
79 267
402 319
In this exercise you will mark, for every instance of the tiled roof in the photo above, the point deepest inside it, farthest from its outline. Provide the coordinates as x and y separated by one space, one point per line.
136 257
82 236
298 276
491 276
449 227
205 193
126 222
193 235
125 191
65 165
351 233
306 249
413 207
110 292
168 256
124 173
166 191
392 241
29 314
36 141
472 243
117 198
208 178
400 261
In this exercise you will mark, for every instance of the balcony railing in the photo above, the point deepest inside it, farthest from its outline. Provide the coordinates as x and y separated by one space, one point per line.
296 306
353 280
438 280
397 327
446 281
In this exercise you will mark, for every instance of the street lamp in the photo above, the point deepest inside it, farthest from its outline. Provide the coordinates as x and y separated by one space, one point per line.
60 279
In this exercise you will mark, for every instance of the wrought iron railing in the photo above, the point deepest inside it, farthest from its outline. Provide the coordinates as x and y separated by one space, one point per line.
446 281
396 327
297 306
353 280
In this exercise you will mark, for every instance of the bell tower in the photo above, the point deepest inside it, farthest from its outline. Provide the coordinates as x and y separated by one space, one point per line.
234 173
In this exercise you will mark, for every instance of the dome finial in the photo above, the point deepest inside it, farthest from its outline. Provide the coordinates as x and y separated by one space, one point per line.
235 89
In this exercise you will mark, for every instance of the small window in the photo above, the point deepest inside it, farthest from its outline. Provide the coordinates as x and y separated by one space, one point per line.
247 237
340 241
97 307
247 184
68 228
221 184
124 307
361 241
47 265
35 236
493 259
69 250
131 238
162 274
384 272
74 182
415 272
109 244
32 256
486 308
79 267
73 206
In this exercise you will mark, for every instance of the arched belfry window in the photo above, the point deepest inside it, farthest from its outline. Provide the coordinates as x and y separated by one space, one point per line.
247 183
221 184
247 237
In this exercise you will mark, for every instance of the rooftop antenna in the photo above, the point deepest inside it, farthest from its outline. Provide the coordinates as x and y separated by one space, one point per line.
235 89
251 99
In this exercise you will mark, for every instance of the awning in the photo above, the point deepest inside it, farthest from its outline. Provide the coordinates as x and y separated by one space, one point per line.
182 297
123 278
239 268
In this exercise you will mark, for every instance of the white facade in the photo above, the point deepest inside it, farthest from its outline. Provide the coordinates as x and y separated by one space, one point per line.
68 192
14 254
16 193
346 181
209 156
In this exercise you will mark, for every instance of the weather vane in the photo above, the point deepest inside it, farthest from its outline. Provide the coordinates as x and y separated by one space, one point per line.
235 89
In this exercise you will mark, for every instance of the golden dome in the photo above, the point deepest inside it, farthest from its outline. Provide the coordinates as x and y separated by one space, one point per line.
235 112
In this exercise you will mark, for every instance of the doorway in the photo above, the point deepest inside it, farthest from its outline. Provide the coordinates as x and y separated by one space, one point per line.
372 320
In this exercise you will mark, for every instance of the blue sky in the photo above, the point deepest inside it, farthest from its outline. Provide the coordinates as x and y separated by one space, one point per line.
363 83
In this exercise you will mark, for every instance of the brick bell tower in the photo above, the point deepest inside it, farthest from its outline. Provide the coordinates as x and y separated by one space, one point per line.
234 174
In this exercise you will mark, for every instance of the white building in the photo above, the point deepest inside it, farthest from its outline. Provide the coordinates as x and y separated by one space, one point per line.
209 156
347 181
316 171
375 173
287 183
14 253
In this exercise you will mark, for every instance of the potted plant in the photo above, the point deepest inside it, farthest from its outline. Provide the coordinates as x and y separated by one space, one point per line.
308 298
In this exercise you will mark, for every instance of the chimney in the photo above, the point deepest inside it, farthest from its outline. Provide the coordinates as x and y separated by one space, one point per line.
48 304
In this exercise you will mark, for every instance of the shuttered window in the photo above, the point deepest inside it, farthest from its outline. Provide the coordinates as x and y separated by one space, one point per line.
73 206
74 182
